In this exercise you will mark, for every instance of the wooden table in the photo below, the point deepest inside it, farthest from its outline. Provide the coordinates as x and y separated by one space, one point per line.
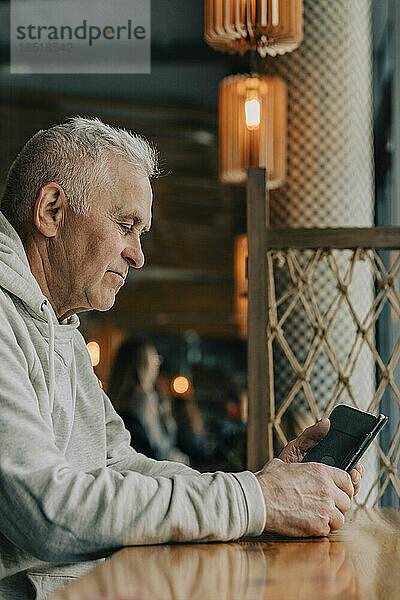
362 561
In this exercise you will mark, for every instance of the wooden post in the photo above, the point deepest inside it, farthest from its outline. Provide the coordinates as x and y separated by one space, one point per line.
258 415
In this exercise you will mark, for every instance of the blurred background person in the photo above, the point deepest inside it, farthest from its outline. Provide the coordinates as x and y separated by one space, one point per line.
146 414
161 426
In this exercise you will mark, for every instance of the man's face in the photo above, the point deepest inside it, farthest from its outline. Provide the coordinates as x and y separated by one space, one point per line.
97 249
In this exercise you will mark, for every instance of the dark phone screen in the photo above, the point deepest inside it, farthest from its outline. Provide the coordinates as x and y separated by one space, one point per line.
334 449
349 428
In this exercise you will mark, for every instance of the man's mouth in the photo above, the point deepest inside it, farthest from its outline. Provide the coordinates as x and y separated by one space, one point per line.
123 277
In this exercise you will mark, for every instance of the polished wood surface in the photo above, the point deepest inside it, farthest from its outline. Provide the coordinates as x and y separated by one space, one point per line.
360 562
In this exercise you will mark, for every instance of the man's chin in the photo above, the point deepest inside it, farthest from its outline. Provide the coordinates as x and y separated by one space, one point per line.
107 306
103 304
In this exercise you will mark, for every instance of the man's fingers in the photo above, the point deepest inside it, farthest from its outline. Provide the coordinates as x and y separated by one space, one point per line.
356 476
336 519
312 435
343 481
360 468
342 501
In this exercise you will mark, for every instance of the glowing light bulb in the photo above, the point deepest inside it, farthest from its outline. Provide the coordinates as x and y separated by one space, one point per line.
180 384
253 113
94 352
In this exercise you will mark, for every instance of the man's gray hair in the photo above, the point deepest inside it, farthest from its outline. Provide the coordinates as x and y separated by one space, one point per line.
75 155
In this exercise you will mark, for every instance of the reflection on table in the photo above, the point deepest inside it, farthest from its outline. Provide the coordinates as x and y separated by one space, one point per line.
359 562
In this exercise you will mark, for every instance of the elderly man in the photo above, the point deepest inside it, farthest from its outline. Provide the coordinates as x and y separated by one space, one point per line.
72 489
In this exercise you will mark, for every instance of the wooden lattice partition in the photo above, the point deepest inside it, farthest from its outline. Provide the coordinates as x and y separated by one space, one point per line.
270 251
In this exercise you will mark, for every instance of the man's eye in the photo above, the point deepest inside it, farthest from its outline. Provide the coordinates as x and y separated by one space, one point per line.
126 228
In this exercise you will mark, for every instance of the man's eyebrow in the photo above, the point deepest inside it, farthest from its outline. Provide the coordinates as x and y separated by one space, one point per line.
135 217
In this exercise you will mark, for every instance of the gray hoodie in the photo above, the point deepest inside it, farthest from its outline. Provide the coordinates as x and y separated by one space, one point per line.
72 489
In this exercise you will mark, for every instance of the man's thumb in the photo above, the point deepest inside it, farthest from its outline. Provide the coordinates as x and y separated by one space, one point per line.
312 435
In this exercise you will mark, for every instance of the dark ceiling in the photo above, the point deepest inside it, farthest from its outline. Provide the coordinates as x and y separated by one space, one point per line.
184 71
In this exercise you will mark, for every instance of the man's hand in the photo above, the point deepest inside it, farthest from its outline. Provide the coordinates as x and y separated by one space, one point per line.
306 499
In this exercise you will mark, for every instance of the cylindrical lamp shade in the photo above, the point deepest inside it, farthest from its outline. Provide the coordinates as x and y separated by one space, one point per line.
252 128
268 26
241 283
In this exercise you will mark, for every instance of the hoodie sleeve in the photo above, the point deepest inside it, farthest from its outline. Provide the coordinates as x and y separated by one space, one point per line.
59 513
122 457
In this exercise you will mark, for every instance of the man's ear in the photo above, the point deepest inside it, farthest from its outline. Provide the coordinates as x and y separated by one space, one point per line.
50 207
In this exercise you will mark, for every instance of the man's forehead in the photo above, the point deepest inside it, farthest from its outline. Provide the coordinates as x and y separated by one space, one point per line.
131 197
124 176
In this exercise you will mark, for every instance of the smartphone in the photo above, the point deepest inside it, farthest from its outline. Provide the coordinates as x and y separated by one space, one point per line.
349 436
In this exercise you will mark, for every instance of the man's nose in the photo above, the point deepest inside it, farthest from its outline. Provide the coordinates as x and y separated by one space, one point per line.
134 256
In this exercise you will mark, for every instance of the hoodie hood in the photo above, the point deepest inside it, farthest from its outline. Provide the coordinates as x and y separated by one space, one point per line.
16 277
15 273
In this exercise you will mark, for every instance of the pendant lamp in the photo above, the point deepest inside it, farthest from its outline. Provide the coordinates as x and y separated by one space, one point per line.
268 26
252 128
